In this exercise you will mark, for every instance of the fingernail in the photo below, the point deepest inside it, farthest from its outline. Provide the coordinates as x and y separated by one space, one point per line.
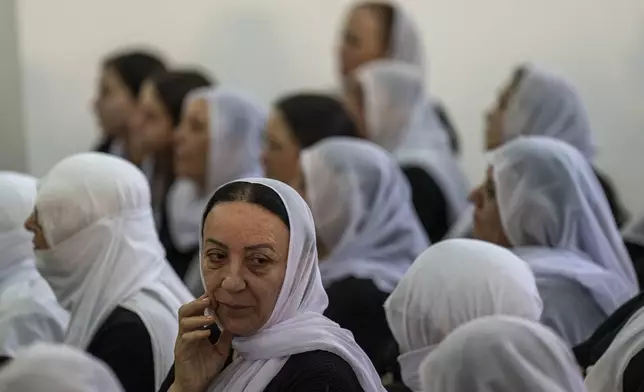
205 299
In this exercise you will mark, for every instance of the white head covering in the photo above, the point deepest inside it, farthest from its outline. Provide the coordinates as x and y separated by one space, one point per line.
402 119
548 196
104 251
634 232
546 104
501 354
361 205
29 311
608 372
57 368
236 136
451 283
296 324
406 44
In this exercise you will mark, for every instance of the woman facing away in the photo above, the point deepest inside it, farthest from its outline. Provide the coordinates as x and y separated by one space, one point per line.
99 251
542 199
259 269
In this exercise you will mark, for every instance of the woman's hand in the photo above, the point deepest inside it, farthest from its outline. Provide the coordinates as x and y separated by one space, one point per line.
197 361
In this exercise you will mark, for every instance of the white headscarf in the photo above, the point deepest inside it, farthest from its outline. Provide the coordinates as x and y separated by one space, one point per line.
634 231
608 372
549 196
95 213
501 354
361 205
296 324
451 283
402 119
57 368
29 311
547 105
236 125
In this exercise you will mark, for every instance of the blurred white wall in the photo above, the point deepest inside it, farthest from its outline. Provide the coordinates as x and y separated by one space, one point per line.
271 47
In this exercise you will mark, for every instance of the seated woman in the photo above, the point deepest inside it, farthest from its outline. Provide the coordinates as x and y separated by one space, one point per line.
298 122
501 354
160 103
29 311
263 291
392 109
368 234
634 241
219 140
542 199
450 284
57 368
100 253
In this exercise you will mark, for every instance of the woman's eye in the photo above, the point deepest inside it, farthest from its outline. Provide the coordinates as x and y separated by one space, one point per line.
216 257
258 261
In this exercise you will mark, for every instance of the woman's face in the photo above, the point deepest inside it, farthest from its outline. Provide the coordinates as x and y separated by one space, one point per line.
192 142
32 225
362 41
487 220
155 122
281 155
245 250
354 105
114 104
494 130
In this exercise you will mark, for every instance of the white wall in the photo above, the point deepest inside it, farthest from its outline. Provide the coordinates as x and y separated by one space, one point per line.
272 46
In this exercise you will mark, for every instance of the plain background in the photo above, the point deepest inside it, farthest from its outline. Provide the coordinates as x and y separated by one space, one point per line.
50 52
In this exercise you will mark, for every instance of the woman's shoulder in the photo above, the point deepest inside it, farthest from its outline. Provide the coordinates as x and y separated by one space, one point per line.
122 325
315 371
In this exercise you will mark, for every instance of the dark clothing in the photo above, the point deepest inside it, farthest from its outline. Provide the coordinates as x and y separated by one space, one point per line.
589 352
397 387
104 145
357 305
637 256
4 360
429 202
124 344
619 212
312 371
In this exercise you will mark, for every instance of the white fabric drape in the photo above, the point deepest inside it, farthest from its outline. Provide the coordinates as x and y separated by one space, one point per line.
549 196
406 43
451 283
362 208
57 368
104 251
634 231
296 324
29 311
401 118
501 354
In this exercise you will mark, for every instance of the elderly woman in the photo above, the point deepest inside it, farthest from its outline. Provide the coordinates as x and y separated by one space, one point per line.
501 354
388 98
263 291
450 284
542 199
219 140
99 252
29 311
57 368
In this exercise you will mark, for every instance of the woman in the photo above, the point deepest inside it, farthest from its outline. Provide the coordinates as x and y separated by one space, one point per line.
501 354
219 140
389 101
368 234
634 241
297 122
450 284
57 368
542 199
160 103
29 311
121 78
263 290
100 253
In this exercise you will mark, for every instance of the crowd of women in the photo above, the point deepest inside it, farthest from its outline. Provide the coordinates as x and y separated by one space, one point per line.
331 243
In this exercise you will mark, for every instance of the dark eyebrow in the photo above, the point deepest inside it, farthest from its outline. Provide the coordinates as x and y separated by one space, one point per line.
215 242
260 246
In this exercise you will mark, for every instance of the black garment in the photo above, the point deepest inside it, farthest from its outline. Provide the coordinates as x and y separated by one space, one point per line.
124 344
4 361
589 352
357 305
397 387
429 202
104 145
637 256
312 371
619 212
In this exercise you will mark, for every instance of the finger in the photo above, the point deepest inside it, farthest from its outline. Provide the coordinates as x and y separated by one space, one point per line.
188 324
194 308
195 336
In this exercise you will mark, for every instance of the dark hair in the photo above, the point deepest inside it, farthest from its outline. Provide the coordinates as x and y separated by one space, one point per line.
386 12
454 140
258 194
134 67
313 117
173 87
